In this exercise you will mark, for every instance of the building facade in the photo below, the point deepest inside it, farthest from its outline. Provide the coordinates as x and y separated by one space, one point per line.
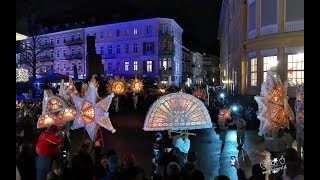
257 36
147 48
192 67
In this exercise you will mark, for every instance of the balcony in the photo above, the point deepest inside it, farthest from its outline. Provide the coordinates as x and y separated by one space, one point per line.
167 71
46 46
45 58
74 42
73 56
108 56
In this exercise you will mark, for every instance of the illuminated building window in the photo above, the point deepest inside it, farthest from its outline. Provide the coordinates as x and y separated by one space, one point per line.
135 31
149 45
149 66
135 47
165 64
269 63
64 52
126 66
253 69
118 49
135 65
101 34
64 66
296 69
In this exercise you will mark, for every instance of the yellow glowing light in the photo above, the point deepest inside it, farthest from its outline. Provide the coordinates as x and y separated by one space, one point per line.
136 85
162 90
20 37
87 112
22 75
46 120
117 85
67 114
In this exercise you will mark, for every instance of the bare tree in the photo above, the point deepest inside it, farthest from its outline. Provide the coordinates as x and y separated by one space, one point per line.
34 55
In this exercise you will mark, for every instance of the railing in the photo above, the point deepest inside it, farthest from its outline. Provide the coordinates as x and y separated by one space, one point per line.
74 42
45 58
73 56
46 46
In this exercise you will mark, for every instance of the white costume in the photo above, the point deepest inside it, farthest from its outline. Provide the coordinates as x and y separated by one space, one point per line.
183 144
116 100
135 101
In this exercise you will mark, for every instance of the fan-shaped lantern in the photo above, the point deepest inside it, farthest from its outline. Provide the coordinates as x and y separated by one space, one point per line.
47 120
177 111
67 114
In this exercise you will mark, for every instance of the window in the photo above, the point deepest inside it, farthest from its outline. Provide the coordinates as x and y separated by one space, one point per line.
296 69
79 50
57 54
269 14
110 34
252 16
127 48
126 66
51 53
135 47
109 66
118 32
64 39
269 63
64 66
51 40
118 66
72 38
58 40
58 66
253 70
95 34
72 64
294 10
79 37
118 49
72 51
135 31
102 35
149 66
149 29
64 52
149 45
164 28
101 49
165 64
135 65
46 42
110 49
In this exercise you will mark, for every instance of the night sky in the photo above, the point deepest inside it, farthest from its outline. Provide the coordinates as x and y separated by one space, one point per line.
198 18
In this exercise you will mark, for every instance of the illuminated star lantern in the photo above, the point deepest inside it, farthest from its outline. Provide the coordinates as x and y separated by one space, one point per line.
91 113
94 81
71 88
136 85
46 120
22 75
177 111
117 86
274 110
84 88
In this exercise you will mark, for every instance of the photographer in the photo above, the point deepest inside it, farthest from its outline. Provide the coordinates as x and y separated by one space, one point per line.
240 124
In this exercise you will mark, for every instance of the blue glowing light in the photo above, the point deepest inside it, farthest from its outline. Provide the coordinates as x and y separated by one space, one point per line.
222 95
234 108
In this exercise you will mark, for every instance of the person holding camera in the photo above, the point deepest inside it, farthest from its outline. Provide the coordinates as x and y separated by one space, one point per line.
240 124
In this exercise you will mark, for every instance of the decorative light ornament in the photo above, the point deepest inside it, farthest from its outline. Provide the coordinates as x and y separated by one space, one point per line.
136 85
22 75
67 114
84 88
117 85
71 88
46 120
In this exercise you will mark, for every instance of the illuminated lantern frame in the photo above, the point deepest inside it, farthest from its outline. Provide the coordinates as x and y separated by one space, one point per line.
47 120
136 85
22 75
117 86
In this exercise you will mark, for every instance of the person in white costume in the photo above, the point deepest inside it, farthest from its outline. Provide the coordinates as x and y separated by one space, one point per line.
116 101
183 143
135 101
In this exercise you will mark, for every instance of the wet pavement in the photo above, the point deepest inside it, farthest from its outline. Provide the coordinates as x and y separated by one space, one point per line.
130 137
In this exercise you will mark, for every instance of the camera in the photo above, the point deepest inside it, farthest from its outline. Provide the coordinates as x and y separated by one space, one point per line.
232 160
